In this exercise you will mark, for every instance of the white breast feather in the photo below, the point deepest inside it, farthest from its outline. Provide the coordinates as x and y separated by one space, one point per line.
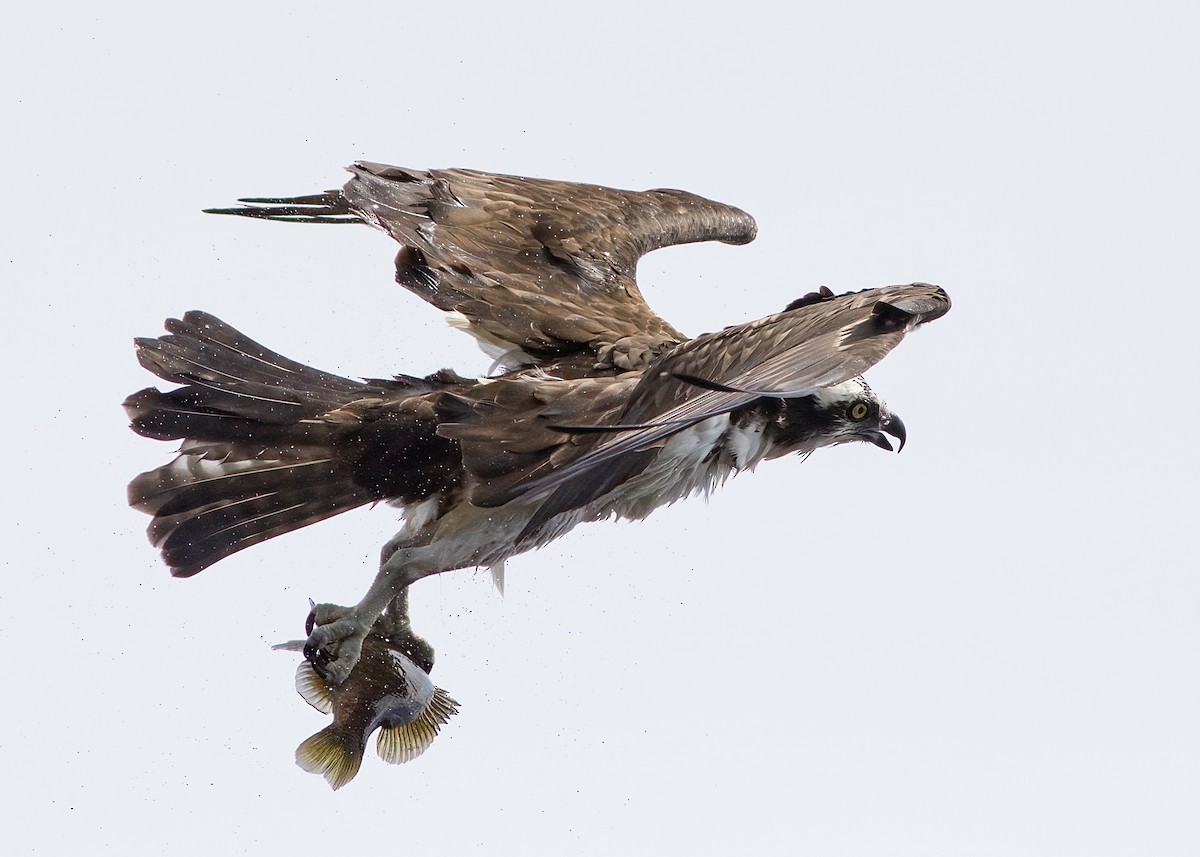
696 459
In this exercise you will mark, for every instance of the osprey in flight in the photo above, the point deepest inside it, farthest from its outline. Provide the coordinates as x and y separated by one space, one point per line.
602 409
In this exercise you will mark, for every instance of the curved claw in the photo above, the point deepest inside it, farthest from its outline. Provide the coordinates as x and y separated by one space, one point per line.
317 656
334 642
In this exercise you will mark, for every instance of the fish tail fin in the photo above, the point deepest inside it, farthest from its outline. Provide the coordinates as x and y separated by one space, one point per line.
399 744
333 753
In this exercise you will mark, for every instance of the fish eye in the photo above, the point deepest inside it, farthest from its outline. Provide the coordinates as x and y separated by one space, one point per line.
858 411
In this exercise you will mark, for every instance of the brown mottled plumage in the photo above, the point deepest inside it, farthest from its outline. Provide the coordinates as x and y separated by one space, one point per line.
547 266
604 409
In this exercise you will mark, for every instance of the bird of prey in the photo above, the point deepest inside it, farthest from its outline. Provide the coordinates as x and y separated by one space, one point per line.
602 409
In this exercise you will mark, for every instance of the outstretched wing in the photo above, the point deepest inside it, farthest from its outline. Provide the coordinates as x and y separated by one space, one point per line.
817 344
545 266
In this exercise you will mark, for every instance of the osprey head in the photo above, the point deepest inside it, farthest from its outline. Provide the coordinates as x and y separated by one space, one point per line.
851 411
843 413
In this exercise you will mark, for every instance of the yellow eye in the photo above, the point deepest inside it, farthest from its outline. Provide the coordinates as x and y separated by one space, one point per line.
859 411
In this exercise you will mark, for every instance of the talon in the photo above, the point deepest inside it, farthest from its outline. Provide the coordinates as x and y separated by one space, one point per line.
334 642
317 656
324 671
331 668
309 624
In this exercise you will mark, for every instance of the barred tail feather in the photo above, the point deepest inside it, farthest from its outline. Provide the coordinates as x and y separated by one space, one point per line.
258 456
233 385
206 510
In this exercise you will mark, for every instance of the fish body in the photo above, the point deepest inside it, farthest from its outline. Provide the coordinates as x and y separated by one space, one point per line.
388 690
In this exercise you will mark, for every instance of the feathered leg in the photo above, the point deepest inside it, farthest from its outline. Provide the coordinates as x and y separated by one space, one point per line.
336 633
463 537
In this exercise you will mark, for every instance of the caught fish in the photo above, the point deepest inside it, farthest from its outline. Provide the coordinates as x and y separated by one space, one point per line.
389 689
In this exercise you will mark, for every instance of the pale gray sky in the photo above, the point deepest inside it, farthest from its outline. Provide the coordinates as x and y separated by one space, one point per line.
984 645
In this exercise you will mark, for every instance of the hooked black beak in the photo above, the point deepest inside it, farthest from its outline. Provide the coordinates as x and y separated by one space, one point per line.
893 426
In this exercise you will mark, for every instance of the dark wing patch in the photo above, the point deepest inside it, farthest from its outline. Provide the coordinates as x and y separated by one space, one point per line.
822 294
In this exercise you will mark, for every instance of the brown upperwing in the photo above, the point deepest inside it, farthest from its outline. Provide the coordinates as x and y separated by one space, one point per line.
790 354
545 265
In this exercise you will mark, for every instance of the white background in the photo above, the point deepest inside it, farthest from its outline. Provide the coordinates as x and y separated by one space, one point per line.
986 645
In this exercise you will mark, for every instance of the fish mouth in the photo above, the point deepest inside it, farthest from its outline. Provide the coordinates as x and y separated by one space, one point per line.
894 426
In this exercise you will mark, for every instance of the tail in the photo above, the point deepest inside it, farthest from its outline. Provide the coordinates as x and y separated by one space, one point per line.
336 754
258 456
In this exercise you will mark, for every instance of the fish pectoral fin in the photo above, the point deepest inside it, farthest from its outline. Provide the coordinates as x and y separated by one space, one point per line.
315 690
399 744
333 754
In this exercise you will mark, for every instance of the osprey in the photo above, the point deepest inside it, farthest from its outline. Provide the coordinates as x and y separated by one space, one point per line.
601 409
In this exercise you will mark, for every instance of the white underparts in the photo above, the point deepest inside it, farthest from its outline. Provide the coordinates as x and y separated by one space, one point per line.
694 460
